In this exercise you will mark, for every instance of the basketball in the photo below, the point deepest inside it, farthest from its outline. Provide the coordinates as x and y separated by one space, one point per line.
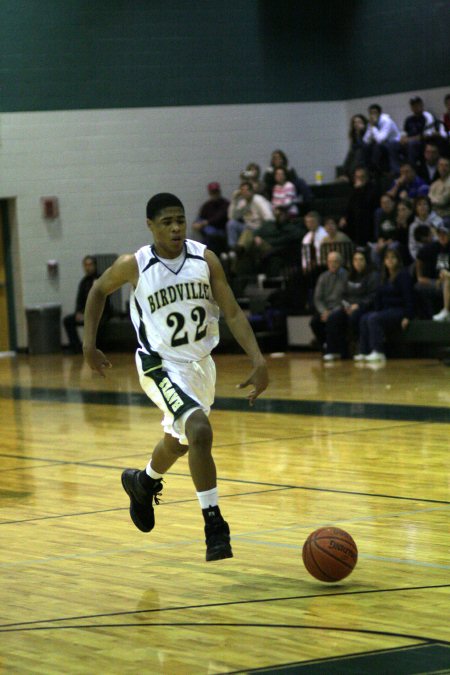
330 554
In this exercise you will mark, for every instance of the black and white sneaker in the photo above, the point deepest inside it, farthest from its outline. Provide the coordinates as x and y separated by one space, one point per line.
217 535
141 499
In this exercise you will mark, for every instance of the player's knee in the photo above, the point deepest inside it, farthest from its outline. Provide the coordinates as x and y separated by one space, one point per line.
198 431
174 447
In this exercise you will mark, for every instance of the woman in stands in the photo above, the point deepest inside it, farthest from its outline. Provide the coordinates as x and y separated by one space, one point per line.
394 308
355 154
342 326
284 192
278 160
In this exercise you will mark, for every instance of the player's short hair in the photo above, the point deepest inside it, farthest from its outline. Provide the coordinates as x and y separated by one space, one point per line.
162 200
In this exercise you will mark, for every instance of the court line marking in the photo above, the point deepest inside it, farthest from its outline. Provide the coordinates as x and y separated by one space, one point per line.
223 624
342 658
321 434
434 414
445 507
226 603
412 512
125 508
167 545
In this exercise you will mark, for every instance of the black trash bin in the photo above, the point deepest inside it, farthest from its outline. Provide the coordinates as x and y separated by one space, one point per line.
44 328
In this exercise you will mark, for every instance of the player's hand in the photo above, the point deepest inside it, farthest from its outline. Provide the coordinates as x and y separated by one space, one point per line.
259 378
96 360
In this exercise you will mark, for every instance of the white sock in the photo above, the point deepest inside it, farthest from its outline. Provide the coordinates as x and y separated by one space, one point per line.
208 498
151 472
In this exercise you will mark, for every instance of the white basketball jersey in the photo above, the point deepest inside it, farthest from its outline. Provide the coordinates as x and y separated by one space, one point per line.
174 313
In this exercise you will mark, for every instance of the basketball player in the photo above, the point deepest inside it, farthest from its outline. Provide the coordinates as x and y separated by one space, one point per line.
178 288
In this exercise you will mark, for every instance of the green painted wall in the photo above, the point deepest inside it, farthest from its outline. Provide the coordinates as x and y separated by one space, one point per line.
69 54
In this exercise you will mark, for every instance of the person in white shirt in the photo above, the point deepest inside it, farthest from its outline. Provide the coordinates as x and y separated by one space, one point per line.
312 241
246 210
382 138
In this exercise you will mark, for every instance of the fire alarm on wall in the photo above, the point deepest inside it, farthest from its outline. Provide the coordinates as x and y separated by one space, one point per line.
50 207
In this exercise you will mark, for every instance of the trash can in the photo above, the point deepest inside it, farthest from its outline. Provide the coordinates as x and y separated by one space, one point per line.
44 328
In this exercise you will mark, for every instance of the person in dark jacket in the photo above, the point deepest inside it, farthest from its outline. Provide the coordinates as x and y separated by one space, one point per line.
394 308
357 222
71 321
212 219
358 298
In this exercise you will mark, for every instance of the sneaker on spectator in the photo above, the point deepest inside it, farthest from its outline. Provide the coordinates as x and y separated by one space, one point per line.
374 357
331 357
443 315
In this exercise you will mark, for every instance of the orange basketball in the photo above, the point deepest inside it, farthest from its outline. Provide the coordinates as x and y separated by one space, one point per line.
329 554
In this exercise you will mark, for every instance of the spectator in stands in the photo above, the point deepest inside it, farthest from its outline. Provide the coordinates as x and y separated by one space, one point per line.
433 276
439 192
284 192
328 295
342 325
310 259
271 247
394 234
424 217
356 153
416 129
312 240
381 141
446 117
253 174
335 240
72 321
394 308
384 216
247 210
358 219
403 219
212 219
278 160
334 235
427 167
408 185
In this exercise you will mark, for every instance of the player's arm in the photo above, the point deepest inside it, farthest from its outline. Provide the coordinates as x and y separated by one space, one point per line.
123 270
239 326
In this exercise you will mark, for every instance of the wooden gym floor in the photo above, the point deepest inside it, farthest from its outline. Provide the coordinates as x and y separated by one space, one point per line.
364 449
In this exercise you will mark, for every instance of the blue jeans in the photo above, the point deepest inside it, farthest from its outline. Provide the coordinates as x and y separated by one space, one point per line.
337 327
234 230
374 326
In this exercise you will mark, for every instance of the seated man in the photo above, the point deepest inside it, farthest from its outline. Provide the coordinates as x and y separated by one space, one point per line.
381 139
439 192
433 275
336 240
427 167
312 241
212 220
71 321
418 126
408 185
247 210
328 295
271 247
